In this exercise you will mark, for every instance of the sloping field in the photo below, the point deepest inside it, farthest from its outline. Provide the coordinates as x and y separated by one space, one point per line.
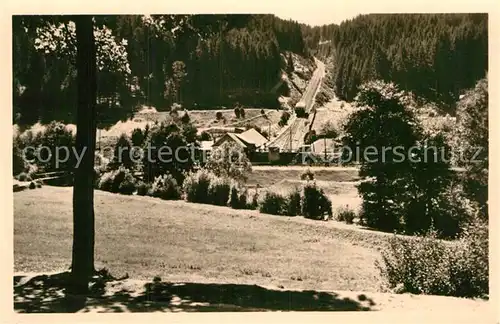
180 241
209 259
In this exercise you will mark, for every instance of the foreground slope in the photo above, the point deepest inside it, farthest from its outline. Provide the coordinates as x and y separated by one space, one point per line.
209 259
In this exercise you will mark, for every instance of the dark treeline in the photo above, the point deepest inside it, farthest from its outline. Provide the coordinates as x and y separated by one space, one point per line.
436 56
237 58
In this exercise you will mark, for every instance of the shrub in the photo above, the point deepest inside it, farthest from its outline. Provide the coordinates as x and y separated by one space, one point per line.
32 185
254 202
196 186
315 204
308 175
293 202
143 188
345 214
18 163
185 119
234 199
218 115
118 177
38 184
237 113
427 265
174 110
273 203
23 176
128 184
417 265
300 112
262 112
106 181
118 181
218 191
97 177
173 137
122 153
205 136
322 98
229 160
138 136
329 130
55 136
166 187
285 116
469 267
238 196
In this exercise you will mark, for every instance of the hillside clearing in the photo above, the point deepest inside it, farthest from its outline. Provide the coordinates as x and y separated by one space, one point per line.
189 242
210 258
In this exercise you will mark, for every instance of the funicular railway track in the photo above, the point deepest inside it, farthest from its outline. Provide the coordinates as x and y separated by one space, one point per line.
292 136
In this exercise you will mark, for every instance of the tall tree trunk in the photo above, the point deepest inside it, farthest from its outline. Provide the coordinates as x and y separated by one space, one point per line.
82 266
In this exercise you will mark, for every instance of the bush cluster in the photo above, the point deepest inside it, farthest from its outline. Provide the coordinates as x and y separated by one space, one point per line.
310 202
54 135
428 265
196 186
322 98
143 188
238 197
205 187
294 202
273 203
285 116
219 190
18 164
165 187
300 112
315 203
345 214
118 181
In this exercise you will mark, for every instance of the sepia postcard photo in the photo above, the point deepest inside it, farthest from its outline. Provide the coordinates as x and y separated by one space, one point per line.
294 157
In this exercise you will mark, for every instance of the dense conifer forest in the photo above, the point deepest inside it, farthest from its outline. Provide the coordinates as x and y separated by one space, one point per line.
236 59
227 59
436 56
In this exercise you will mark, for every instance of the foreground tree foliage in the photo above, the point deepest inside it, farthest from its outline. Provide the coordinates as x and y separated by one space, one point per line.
382 122
44 79
195 60
408 184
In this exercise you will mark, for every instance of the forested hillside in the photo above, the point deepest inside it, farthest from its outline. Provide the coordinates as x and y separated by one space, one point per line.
221 60
319 39
436 56
217 61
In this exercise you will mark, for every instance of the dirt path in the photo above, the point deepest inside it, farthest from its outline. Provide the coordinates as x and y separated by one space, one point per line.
35 292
